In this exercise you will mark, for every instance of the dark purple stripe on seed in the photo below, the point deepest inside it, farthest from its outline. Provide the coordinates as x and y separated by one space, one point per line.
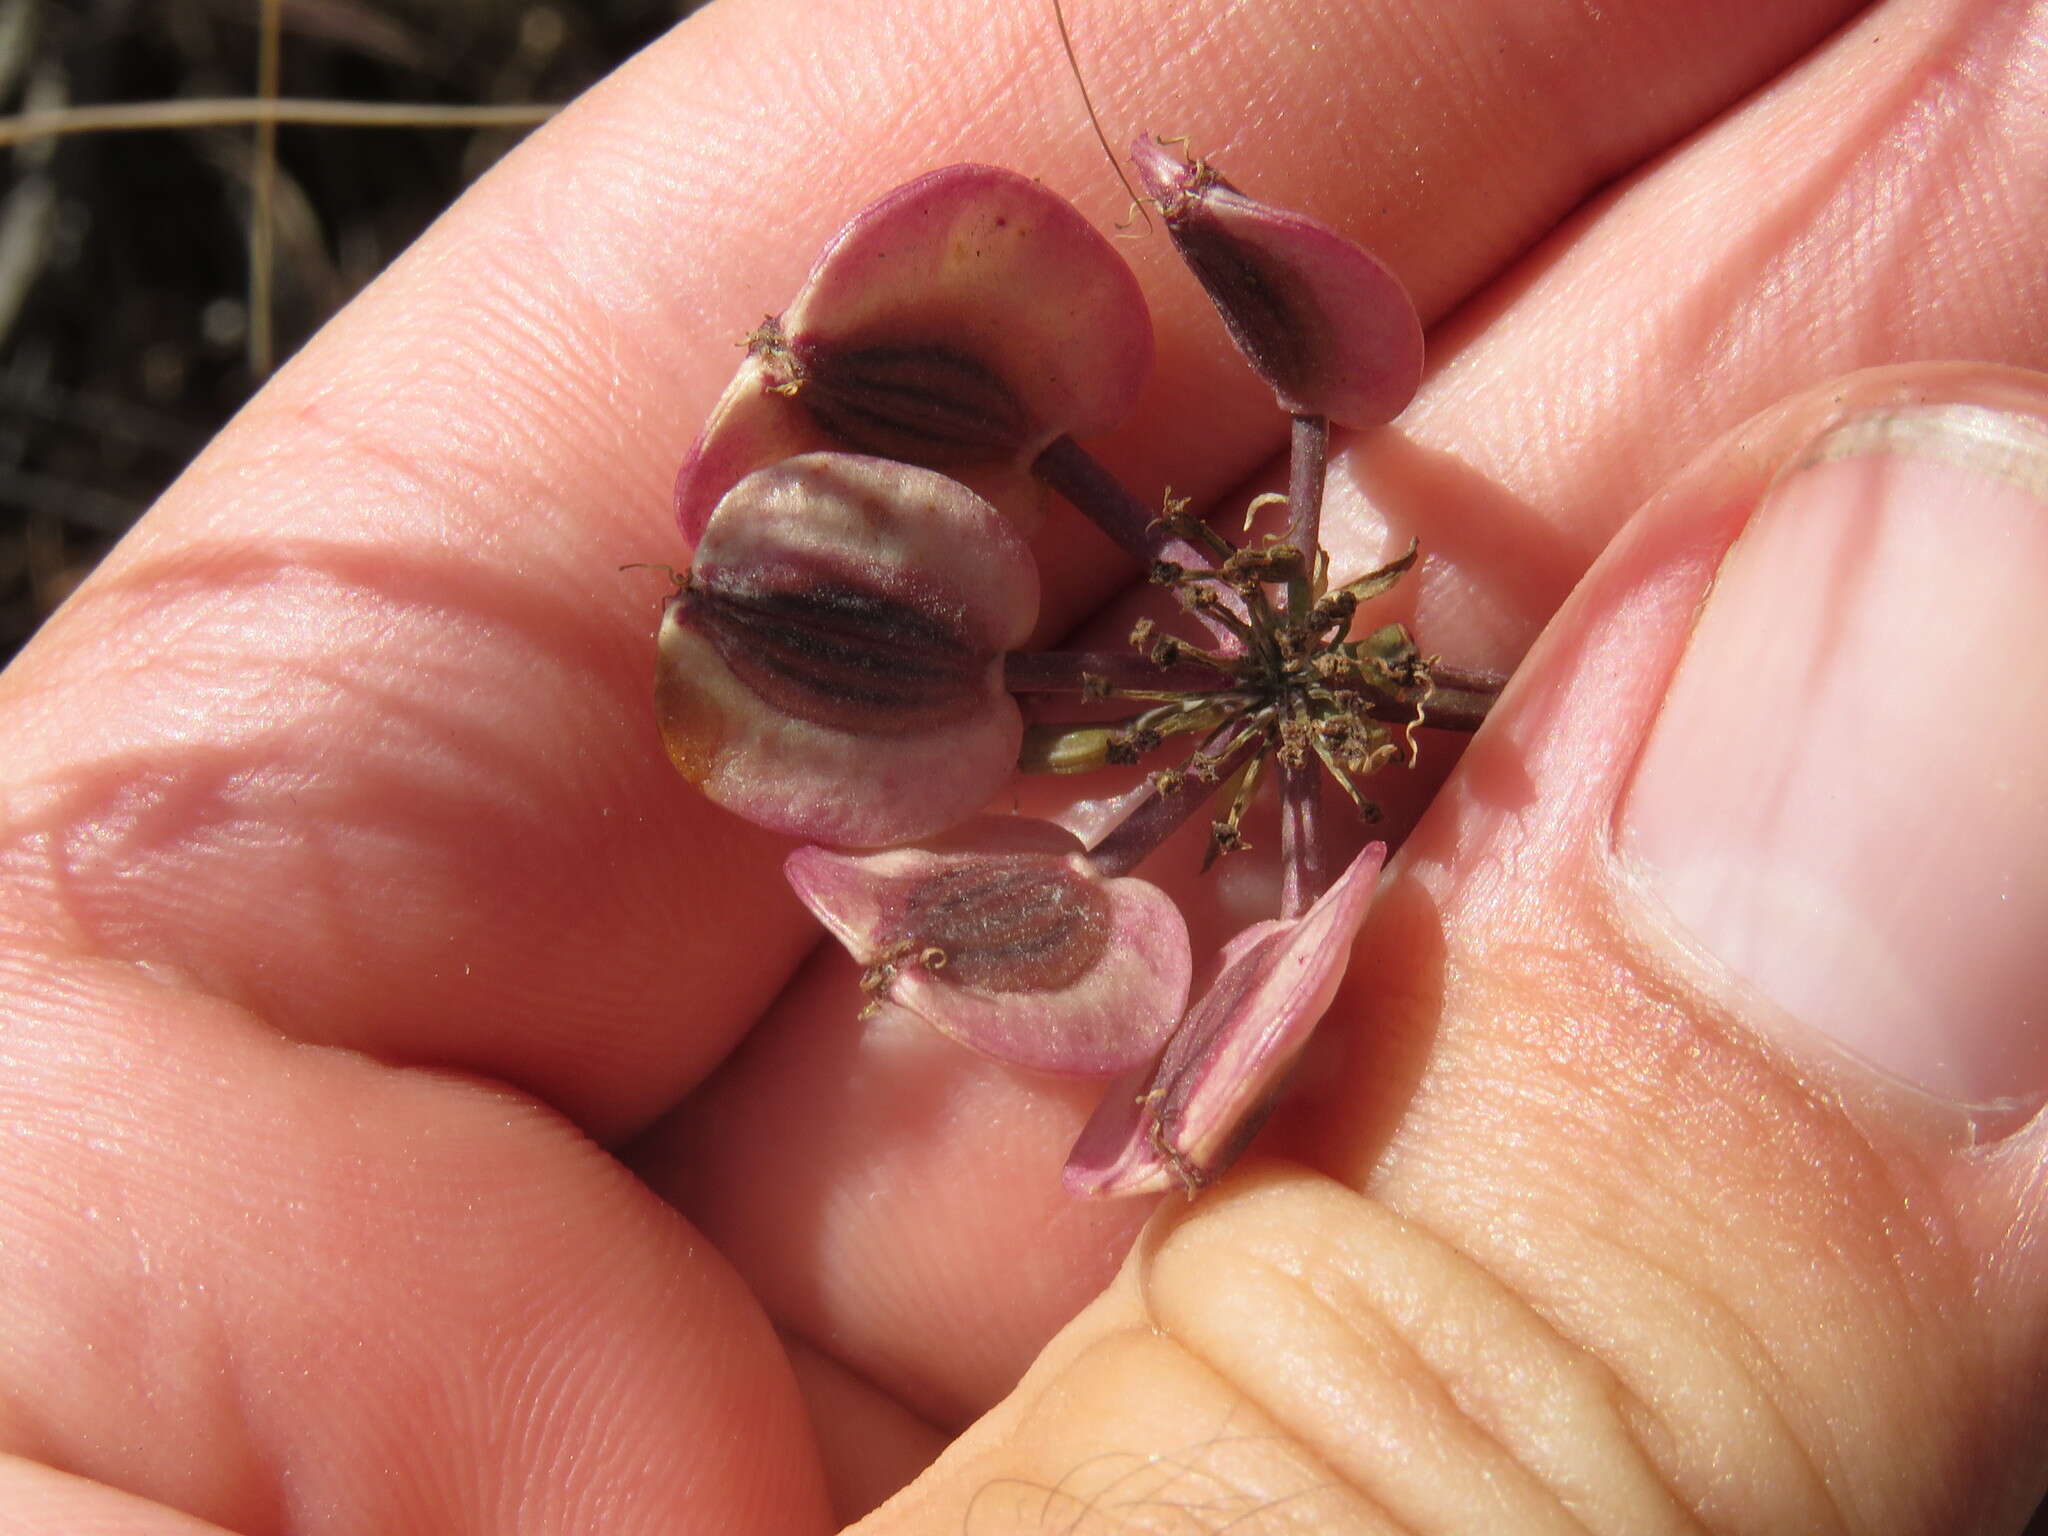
1009 925
842 656
1271 316
924 405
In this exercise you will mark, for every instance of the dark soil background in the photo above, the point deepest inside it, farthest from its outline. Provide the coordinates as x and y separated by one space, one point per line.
124 268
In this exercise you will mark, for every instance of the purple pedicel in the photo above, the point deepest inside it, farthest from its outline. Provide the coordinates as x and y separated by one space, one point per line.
1322 320
832 667
962 323
1187 1119
1004 937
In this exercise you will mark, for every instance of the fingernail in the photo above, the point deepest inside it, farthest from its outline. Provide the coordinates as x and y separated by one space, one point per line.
1845 796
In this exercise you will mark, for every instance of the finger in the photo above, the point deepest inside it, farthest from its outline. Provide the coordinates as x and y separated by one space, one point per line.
870 1444
1842 219
1587 420
1642 1204
891 1197
355 729
281 1288
35 1499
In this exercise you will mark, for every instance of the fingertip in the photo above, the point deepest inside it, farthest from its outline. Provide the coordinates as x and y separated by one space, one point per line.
1632 1091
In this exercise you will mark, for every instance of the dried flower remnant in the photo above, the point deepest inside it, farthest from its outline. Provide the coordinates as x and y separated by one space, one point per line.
862 693
962 323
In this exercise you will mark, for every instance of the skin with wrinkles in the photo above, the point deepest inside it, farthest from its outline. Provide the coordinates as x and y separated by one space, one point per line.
400 1140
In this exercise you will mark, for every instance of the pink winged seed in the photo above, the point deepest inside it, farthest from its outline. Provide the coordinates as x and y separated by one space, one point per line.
1321 319
973 303
1005 939
832 667
1186 1120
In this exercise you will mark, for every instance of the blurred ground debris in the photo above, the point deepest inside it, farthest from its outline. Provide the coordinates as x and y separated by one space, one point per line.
125 257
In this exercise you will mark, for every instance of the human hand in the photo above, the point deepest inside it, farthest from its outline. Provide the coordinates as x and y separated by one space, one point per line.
356 929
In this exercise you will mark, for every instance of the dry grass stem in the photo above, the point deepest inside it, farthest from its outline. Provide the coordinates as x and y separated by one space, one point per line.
231 111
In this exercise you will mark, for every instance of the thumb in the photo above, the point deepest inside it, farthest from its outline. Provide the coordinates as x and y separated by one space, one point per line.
1670 1162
